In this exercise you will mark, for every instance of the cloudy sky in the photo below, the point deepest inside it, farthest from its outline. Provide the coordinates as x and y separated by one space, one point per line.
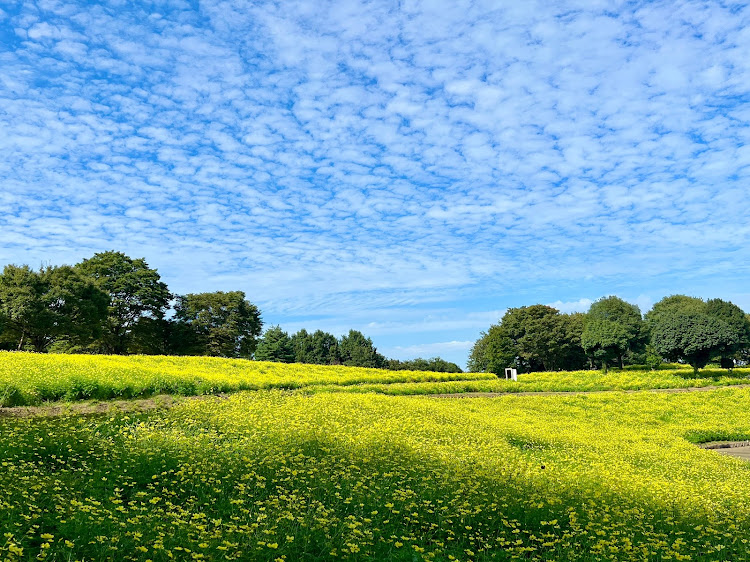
409 169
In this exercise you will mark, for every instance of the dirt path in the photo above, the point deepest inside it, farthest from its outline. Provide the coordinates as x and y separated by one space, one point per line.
739 449
101 407
170 400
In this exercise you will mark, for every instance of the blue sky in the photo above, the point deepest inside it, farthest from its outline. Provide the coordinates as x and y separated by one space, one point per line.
409 169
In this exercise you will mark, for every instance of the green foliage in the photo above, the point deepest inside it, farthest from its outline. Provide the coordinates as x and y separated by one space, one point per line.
318 348
219 324
434 364
605 340
529 338
733 316
358 351
674 304
693 337
53 305
135 291
653 358
275 345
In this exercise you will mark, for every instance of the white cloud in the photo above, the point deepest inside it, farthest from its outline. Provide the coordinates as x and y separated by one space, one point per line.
341 157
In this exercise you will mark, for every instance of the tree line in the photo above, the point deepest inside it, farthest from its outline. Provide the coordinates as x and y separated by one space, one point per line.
614 332
113 304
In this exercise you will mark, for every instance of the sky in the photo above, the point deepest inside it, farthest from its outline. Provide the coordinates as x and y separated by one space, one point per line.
409 169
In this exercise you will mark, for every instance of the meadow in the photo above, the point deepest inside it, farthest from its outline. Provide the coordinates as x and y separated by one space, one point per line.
32 379
282 476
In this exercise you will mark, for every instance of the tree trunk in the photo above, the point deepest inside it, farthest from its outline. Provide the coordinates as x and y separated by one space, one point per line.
604 366
20 343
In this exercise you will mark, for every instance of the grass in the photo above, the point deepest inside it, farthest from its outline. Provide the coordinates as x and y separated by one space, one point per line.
273 475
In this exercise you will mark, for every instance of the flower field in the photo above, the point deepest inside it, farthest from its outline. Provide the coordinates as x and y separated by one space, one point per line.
29 378
277 475
561 381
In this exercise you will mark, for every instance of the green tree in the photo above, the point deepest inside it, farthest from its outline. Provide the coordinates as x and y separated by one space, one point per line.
572 355
734 317
493 352
135 291
693 337
358 351
674 304
604 340
20 303
318 348
627 316
434 364
275 345
52 305
218 324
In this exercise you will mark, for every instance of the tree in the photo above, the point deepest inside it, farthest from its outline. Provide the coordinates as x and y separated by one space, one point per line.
673 304
357 351
135 291
318 348
275 345
20 303
529 338
605 340
693 337
434 364
627 316
493 352
54 304
219 324
734 317
572 355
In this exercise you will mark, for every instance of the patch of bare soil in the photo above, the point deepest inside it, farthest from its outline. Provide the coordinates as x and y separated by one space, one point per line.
739 449
160 401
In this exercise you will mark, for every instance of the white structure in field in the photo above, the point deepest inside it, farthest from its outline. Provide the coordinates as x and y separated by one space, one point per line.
511 374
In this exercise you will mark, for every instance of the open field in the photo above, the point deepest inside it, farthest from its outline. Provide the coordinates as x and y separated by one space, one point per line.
30 379
563 381
273 475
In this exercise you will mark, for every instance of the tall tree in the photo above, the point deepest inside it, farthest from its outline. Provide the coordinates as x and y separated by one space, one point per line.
493 352
275 345
219 324
54 304
135 291
318 348
358 351
693 337
674 304
734 317
604 339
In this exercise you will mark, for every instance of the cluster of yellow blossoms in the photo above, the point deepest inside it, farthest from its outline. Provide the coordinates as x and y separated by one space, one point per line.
279 475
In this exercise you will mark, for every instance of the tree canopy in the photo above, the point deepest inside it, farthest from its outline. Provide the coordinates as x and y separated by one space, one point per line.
135 291
220 324
693 337
55 304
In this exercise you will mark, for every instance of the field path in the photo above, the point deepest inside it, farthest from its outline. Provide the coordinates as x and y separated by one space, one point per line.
170 400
